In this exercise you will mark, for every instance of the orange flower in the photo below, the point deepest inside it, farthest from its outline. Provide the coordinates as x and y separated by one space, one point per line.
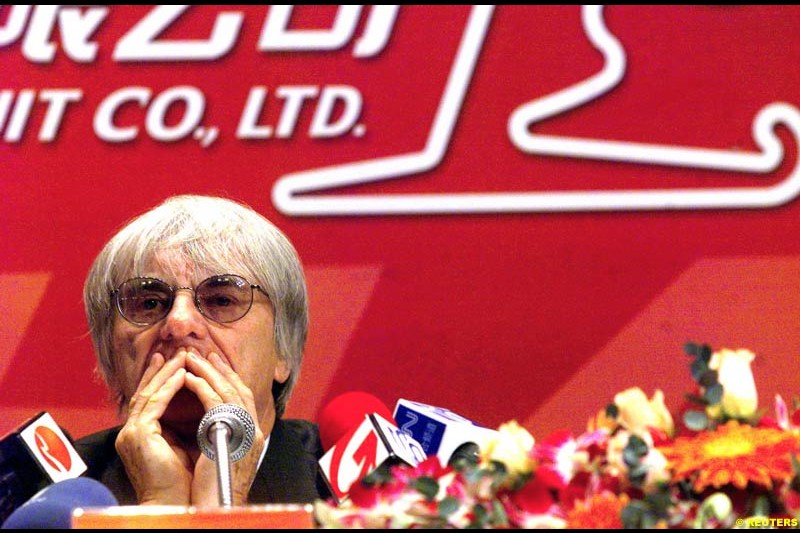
733 454
600 511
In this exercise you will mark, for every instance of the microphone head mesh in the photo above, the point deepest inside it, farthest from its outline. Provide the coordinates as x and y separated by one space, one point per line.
242 430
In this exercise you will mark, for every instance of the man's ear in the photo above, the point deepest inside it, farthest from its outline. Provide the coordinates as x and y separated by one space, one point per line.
282 371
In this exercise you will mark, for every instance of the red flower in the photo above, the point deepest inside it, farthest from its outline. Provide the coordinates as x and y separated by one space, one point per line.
534 497
430 467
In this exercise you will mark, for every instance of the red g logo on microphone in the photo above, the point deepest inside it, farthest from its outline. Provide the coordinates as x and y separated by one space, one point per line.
52 448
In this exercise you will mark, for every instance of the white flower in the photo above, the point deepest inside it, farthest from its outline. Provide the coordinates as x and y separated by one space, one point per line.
739 397
637 414
511 445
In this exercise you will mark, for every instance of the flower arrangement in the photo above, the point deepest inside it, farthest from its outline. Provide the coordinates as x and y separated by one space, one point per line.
723 465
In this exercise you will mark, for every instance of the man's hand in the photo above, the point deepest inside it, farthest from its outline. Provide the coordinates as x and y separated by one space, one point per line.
215 382
159 468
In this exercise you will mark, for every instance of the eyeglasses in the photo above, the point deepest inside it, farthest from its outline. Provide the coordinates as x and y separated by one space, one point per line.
145 301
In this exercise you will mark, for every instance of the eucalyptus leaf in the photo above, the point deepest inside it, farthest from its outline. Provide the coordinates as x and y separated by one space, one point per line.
692 348
761 506
694 398
709 378
630 457
637 474
649 521
499 468
427 486
698 368
448 506
713 394
480 516
660 502
632 515
706 352
695 420
379 476
500 518
637 445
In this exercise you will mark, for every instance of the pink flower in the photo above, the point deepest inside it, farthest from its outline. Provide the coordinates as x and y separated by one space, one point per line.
783 419
561 455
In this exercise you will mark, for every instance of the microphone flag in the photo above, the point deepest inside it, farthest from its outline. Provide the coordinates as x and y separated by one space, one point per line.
370 445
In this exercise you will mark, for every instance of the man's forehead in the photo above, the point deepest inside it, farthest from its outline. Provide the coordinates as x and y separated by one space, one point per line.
173 266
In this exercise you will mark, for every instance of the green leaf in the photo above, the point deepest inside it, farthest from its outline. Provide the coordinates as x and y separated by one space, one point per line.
499 516
761 506
637 474
660 501
694 398
630 457
448 506
480 515
709 378
706 352
612 411
427 486
632 515
713 394
498 471
636 445
649 521
695 420
795 482
698 368
379 476
692 348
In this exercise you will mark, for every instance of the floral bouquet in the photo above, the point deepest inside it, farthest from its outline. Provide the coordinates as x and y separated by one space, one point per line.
724 465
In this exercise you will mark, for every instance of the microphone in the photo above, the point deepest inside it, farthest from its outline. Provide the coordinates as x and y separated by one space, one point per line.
345 412
52 507
441 432
374 441
225 435
34 455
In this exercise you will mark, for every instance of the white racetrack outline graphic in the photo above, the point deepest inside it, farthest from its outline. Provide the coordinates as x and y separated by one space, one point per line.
286 191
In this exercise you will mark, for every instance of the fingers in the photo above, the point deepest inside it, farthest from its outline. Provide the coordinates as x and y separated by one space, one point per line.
160 382
158 468
215 382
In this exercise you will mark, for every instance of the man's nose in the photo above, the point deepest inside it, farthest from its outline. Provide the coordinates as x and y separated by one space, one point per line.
184 319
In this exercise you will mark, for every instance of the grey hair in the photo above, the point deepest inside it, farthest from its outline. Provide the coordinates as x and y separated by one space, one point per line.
217 234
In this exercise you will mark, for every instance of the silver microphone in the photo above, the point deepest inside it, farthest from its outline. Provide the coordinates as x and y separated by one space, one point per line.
225 435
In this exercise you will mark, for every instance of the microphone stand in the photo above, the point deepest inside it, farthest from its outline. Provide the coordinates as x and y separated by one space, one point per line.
225 435
221 432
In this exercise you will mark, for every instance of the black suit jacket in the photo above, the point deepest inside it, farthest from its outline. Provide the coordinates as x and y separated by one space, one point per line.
289 472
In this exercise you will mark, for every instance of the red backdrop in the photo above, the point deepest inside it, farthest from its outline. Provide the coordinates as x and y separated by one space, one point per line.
512 212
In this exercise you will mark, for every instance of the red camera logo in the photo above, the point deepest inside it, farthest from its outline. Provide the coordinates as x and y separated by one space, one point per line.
52 449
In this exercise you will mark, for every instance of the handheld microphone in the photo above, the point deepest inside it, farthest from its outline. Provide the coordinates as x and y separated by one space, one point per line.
52 507
441 432
375 442
225 435
34 455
